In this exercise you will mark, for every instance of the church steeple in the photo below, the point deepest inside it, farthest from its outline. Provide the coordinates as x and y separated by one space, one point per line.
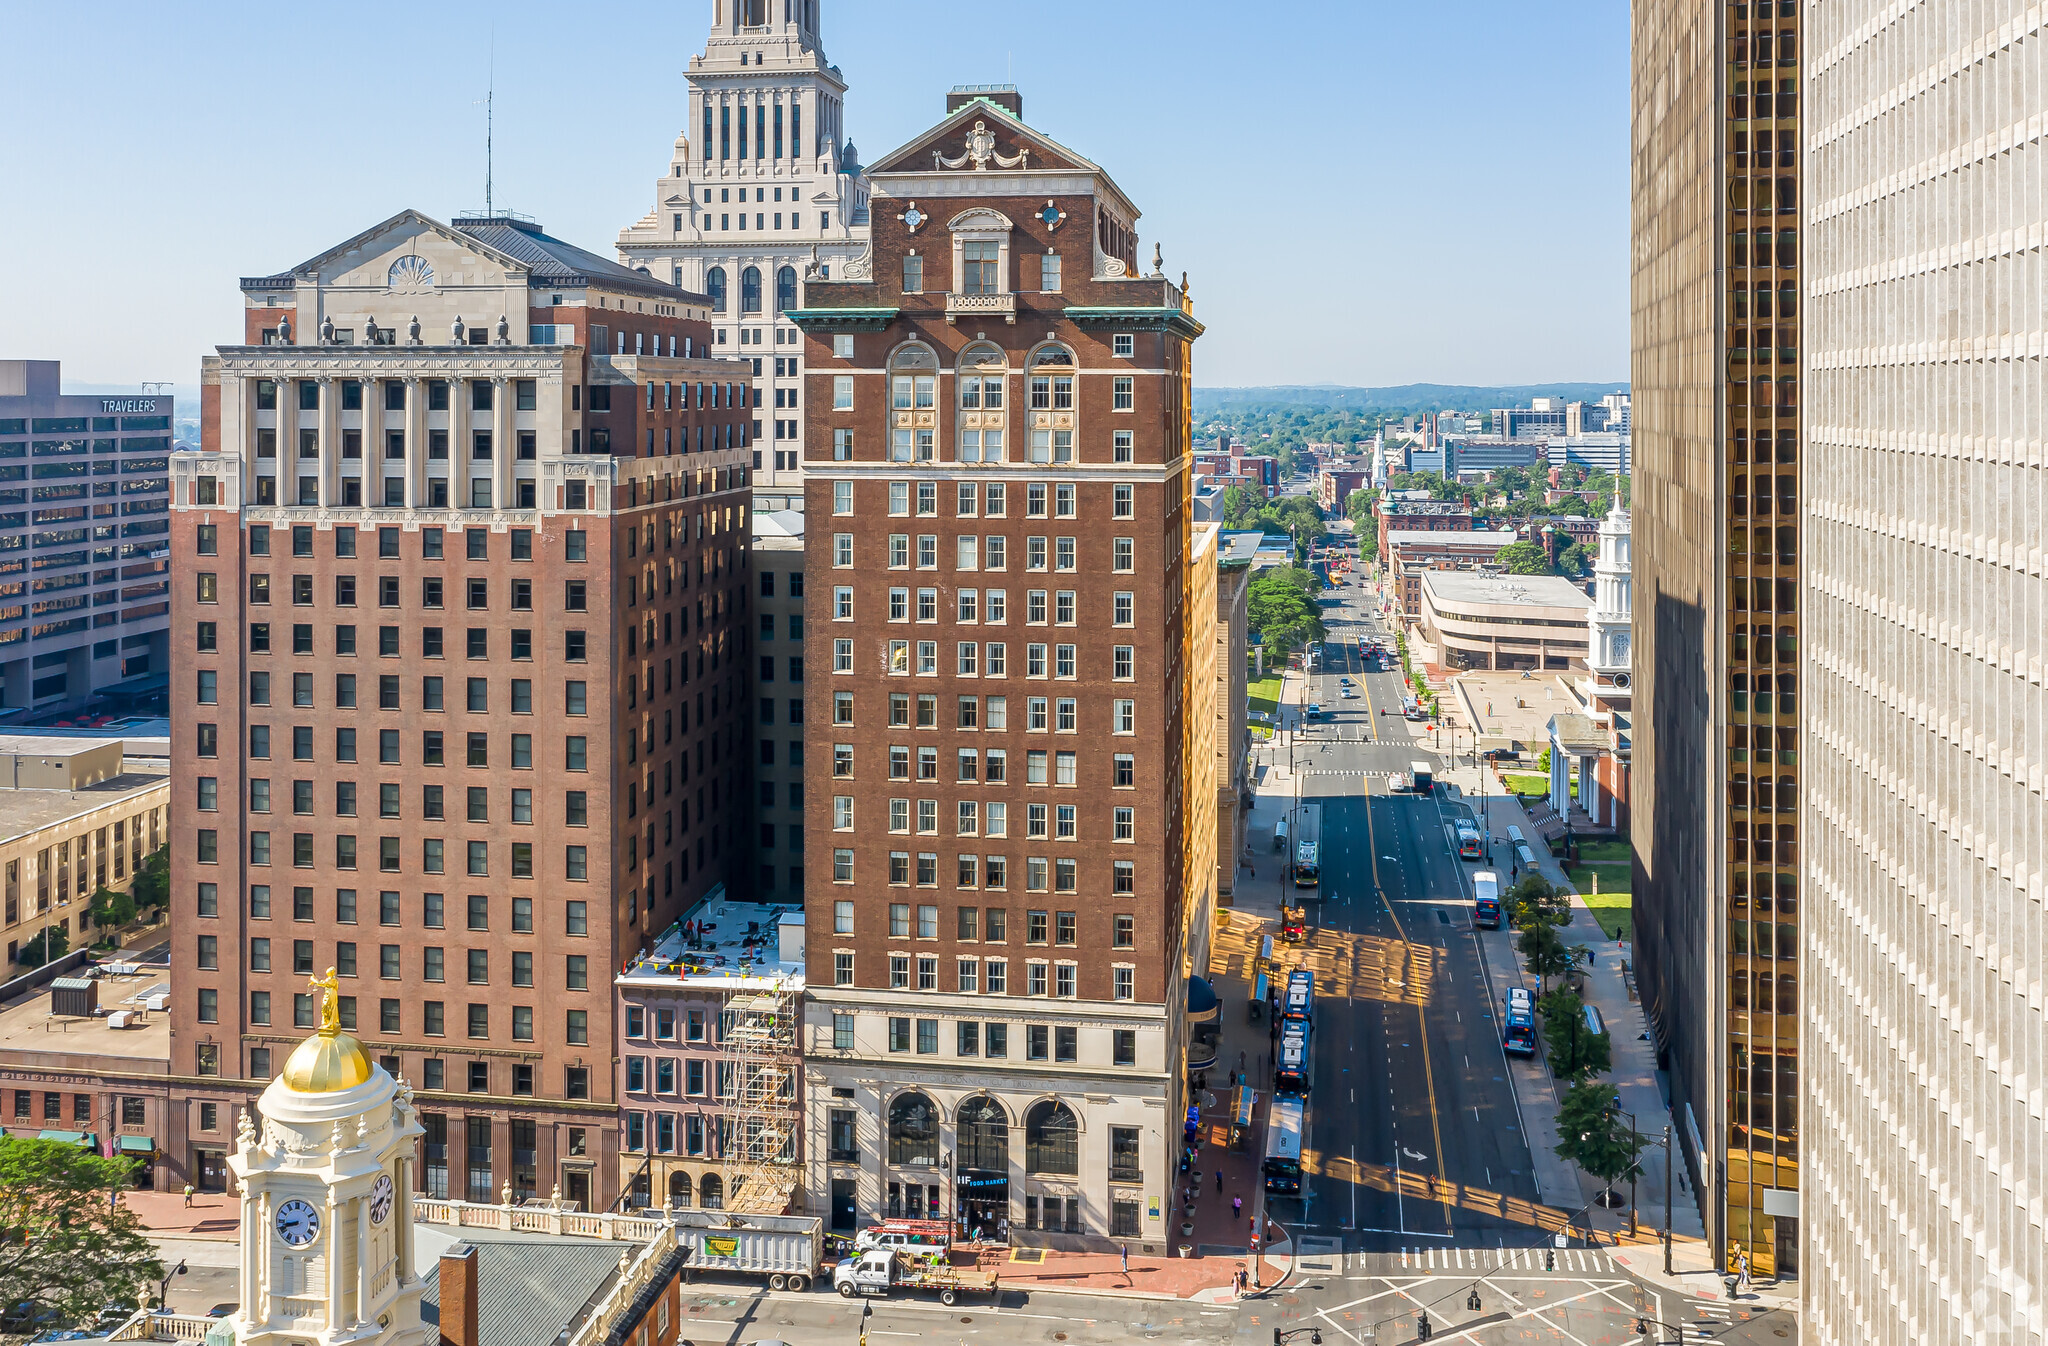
1607 650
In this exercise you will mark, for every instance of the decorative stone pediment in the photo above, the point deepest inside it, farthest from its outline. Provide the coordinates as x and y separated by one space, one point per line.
980 220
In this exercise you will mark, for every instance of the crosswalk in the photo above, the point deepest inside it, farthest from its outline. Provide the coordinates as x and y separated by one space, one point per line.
1567 1261
1334 771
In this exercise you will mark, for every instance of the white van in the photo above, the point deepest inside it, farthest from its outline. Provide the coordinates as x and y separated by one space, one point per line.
1280 835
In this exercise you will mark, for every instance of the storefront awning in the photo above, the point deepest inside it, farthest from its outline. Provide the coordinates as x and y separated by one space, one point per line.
137 1145
83 1139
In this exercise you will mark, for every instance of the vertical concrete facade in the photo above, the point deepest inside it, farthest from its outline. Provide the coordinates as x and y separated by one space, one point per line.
1715 298
1926 1032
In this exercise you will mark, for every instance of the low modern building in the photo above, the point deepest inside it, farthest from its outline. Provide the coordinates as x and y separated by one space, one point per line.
1504 621
85 602
1604 451
76 815
779 709
1490 453
88 1060
710 1113
1410 555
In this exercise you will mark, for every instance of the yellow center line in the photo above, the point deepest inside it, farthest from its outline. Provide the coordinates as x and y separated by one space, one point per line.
1421 1021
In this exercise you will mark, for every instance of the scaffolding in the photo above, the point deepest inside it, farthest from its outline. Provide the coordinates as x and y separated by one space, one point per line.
758 1029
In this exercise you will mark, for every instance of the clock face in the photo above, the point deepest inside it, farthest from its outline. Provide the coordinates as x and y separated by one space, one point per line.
380 1199
298 1224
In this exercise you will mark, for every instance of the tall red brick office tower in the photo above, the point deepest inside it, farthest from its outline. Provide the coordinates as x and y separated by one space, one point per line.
1000 808
458 635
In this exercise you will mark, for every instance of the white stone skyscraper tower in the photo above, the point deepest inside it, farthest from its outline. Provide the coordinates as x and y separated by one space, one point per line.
762 186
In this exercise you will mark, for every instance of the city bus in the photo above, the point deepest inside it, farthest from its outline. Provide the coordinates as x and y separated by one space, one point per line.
1282 1167
1291 1064
1468 841
1307 869
1518 1023
1299 1001
1486 899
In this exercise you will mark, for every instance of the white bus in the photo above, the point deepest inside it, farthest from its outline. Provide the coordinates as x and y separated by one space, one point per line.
1282 1167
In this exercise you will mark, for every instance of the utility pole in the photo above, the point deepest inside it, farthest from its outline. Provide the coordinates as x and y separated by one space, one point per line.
1667 1201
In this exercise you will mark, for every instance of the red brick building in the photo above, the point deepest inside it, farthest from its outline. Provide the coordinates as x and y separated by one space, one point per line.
458 640
1001 819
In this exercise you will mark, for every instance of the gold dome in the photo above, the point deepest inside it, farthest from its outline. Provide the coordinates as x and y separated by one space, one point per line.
331 1060
326 1063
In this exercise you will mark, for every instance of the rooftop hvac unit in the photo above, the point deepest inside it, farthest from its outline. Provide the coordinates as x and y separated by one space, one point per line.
75 996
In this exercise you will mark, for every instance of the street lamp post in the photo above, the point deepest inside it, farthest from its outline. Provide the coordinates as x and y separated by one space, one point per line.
1667 1201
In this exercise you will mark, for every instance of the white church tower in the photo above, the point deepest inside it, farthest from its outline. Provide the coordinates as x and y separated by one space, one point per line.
327 1218
1607 652
762 192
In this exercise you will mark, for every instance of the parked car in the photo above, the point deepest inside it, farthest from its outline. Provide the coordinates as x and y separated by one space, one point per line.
1397 783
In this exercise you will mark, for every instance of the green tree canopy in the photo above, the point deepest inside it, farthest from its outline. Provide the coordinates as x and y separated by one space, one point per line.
1535 900
153 880
1591 1134
1544 951
1281 607
111 908
48 945
1575 560
1523 558
69 1248
1575 1053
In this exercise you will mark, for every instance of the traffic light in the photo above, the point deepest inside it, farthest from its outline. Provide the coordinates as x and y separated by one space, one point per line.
1549 1259
1423 1329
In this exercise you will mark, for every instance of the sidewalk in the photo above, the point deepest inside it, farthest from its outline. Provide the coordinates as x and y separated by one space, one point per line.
212 1215
1204 1279
1634 1076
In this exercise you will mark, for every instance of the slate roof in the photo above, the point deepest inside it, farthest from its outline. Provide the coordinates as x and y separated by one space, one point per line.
529 1286
555 263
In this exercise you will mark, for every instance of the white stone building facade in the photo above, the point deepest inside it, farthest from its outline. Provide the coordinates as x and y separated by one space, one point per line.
762 191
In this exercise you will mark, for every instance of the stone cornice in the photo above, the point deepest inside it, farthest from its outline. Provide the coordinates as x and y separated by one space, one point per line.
392 361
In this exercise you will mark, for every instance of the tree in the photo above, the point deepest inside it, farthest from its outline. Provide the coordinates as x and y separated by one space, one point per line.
152 887
1575 1052
1534 900
1591 1133
48 945
1544 951
1523 558
1281 608
68 1247
1575 560
112 909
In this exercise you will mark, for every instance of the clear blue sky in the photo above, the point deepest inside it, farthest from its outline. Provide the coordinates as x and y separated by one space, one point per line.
1362 193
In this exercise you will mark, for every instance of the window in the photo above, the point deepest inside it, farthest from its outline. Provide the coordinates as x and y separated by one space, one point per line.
1122 981
1123 345
913 274
1122 396
1049 273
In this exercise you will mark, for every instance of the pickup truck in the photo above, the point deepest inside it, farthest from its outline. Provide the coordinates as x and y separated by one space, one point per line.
882 1270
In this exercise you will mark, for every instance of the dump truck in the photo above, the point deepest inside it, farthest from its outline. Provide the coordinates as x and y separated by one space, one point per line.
783 1250
883 1270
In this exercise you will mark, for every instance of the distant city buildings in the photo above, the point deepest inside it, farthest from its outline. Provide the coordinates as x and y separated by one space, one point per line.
85 497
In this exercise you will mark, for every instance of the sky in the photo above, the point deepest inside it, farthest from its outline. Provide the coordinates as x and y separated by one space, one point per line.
1363 193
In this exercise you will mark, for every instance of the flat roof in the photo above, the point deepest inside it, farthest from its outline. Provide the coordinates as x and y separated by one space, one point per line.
31 745
1502 591
27 811
1451 537
739 949
31 1036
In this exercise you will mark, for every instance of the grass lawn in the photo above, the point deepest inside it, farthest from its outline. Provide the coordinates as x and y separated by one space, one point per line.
1608 851
1611 905
1263 695
1527 783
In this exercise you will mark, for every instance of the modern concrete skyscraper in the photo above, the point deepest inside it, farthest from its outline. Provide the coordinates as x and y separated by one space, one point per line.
769 190
1715 286
1925 936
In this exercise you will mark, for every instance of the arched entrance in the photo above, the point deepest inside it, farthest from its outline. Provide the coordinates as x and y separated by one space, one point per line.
679 1190
982 1170
711 1192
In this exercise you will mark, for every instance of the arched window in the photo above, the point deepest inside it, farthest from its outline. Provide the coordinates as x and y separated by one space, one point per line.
1052 1139
679 1190
913 1130
1054 354
984 1136
785 289
750 290
714 285
914 357
711 1192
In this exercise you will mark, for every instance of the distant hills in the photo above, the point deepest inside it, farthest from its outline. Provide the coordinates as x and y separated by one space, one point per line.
1405 397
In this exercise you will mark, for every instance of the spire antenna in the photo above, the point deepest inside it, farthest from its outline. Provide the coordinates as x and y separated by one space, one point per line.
490 126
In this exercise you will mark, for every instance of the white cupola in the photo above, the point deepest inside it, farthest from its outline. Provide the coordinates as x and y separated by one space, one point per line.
1607 648
327 1216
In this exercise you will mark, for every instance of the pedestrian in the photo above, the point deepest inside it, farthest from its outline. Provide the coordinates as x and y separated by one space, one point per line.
1219 1180
1236 1208
188 1196
1123 1252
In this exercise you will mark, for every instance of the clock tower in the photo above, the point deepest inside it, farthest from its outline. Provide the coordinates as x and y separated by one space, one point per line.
327 1236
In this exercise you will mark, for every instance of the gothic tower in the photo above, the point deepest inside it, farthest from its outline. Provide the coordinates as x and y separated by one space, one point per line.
327 1218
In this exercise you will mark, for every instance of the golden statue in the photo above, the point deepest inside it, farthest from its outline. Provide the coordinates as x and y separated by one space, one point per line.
328 991
331 1059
